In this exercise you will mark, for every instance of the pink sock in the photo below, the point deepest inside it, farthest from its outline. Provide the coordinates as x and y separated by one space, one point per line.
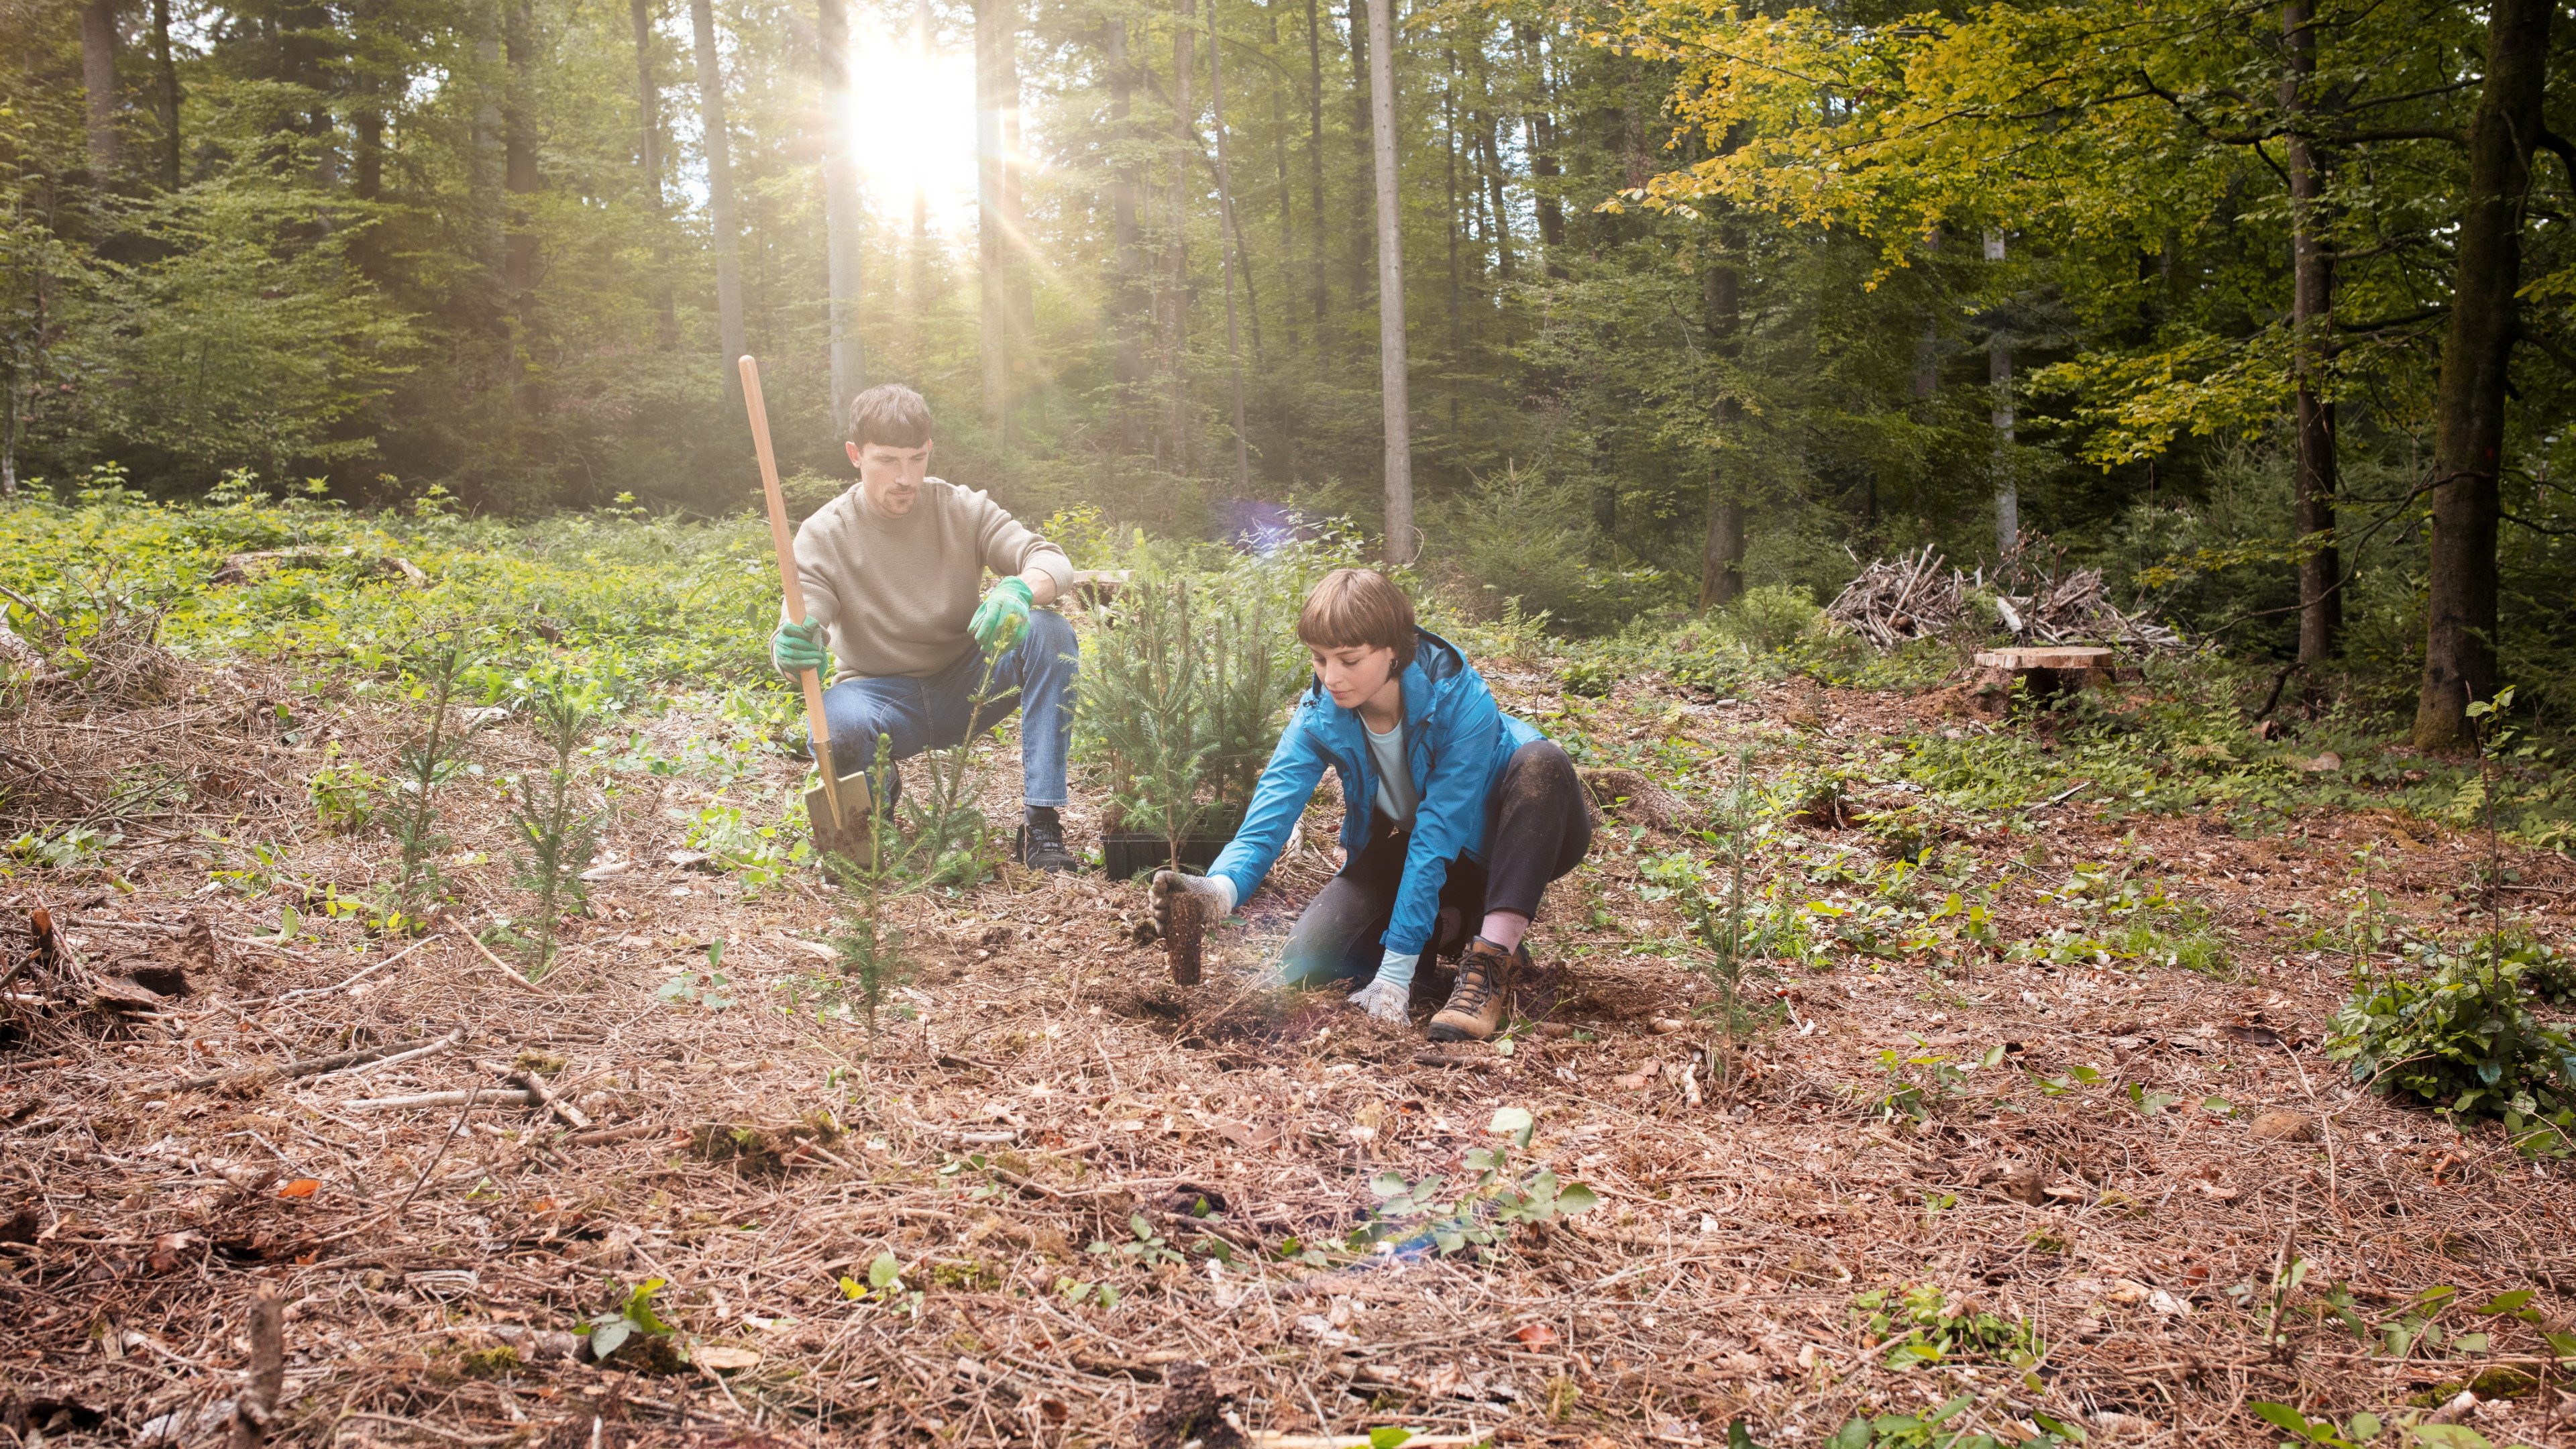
1504 928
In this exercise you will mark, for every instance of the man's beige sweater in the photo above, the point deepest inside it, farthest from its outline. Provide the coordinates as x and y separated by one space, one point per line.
895 594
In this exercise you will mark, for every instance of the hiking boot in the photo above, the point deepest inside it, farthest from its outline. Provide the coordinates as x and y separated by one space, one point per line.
1041 843
1476 1003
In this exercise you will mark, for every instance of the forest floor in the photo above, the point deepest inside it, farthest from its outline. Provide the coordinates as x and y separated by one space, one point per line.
2045 1074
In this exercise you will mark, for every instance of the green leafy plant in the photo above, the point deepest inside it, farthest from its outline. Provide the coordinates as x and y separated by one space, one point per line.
2358 1430
760 856
343 792
1934 1429
78 848
884 1285
2457 1036
1484 1209
1144 1248
609 1331
1918 1325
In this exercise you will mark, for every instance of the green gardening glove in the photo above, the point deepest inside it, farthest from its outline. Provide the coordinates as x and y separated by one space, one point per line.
796 648
1003 616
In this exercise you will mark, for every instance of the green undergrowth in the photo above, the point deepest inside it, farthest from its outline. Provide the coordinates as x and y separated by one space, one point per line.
628 603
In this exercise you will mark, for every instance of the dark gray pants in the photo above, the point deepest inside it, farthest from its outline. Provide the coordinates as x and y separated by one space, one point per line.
1540 829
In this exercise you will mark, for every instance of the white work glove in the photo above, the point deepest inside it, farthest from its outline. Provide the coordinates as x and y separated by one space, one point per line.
1216 890
1389 995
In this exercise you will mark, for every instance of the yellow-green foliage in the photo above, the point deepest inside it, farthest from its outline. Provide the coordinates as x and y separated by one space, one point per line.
627 602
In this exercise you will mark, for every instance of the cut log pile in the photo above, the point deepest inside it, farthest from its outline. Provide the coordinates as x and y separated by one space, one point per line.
1909 597
1920 595
2073 608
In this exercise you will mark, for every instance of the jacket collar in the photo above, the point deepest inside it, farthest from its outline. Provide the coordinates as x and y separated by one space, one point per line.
1436 662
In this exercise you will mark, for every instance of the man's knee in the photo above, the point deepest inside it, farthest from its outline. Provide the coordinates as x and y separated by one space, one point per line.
1051 638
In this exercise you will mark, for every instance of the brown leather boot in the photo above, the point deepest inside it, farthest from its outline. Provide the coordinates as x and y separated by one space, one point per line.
1476 1004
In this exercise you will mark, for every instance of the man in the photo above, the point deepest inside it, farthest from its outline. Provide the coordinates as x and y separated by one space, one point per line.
891 570
1453 812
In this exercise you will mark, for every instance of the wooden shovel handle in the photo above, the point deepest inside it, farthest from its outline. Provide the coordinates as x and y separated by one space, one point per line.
784 543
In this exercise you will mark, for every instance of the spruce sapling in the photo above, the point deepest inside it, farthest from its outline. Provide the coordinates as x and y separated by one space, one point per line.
872 953
427 763
1723 934
558 835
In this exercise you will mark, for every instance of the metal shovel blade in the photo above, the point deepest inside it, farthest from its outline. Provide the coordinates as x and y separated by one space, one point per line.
847 836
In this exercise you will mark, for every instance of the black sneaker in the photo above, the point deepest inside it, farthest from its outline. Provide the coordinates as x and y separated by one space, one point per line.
1040 845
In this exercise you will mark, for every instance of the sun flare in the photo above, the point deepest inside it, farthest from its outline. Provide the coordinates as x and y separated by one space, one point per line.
911 124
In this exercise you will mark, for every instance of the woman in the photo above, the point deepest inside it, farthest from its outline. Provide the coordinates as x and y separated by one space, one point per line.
1454 811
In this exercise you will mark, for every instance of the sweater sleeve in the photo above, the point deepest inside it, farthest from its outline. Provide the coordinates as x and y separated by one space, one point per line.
818 563
1009 546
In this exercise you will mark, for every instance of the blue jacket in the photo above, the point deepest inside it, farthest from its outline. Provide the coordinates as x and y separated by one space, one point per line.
1457 741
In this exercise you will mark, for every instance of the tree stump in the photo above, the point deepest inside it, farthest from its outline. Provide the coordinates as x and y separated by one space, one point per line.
2057 669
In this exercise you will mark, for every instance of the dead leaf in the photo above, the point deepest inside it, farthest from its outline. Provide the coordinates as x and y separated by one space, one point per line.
2284 1126
2021 1184
167 1248
301 1187
1534 1335
724 1358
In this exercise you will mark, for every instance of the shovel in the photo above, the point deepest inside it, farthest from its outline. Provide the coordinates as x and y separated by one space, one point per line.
836 806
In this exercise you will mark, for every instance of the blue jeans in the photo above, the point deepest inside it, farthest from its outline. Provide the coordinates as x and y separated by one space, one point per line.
929 712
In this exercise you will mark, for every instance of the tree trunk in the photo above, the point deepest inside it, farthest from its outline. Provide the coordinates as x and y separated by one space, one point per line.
1721 560
1127 245
1539 132
841 219
2469 400
1490 139
648 157
1315 168
519 179
726 241
917 254
1457 308
1999 376
486 203
1019 298
1176 244
1235 261
1400 538
2311 327
165 96
993 39
98 76
1287 218
1363 153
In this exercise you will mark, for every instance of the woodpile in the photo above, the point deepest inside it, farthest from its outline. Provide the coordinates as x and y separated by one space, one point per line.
1919 595
2073 608
1909 597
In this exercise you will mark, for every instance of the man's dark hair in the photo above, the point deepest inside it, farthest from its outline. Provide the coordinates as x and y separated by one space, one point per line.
891 414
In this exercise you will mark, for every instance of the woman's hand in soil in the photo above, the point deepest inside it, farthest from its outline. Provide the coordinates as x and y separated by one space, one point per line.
1215 889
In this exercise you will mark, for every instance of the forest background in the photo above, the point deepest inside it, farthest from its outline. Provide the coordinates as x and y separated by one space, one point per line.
2261 309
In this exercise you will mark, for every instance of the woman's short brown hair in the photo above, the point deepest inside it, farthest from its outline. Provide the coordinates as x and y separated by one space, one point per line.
1358 608
891 415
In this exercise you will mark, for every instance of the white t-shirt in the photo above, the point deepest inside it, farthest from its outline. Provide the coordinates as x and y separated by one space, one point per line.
1394 776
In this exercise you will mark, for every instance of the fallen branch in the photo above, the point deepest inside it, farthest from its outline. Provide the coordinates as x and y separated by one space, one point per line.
572 1116
478 1096
315 1066
522 982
